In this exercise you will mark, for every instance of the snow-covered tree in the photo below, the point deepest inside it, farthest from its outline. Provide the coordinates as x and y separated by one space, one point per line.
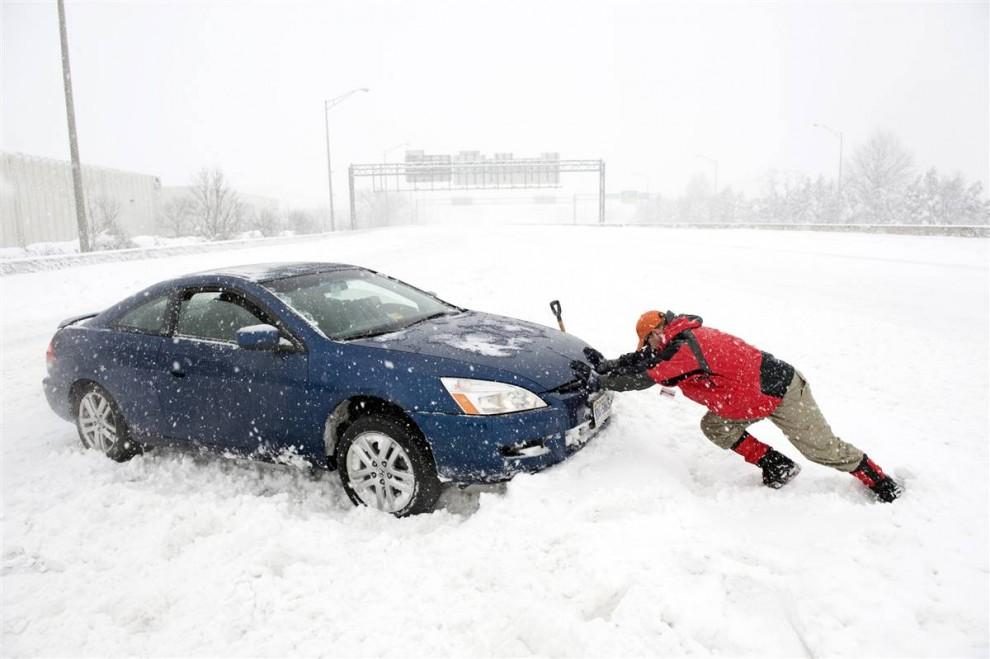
267 221
693 206
302 222
880 172
786 199
976 206
378 208
934 199
729 207
176 215
217 212
103 213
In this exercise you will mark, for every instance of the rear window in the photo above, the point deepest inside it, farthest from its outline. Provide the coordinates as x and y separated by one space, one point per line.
148 318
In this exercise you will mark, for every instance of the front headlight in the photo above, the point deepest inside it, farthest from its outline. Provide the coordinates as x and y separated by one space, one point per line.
486 397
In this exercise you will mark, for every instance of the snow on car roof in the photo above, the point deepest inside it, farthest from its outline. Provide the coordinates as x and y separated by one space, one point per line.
261 272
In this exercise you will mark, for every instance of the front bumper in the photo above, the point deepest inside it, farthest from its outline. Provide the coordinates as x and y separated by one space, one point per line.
485 449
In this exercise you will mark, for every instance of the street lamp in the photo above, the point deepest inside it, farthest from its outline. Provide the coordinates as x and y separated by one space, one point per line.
837 133
715 163
326 118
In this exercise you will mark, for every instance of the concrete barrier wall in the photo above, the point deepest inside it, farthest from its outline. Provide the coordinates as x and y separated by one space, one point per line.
968 231
59 261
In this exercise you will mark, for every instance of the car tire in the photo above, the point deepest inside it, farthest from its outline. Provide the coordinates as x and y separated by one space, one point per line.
384 464
101 424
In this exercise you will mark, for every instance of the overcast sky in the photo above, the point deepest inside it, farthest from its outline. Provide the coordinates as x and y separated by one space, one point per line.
168 87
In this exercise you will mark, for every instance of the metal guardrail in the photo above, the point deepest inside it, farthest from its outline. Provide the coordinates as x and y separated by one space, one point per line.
59 261
969 231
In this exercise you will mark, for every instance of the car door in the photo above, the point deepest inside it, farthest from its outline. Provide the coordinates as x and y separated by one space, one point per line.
224 396
131 364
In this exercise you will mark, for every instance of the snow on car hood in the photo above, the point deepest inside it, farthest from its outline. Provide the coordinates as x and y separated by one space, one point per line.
541 354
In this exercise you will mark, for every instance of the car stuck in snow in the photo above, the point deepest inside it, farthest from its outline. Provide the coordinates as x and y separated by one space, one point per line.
347 368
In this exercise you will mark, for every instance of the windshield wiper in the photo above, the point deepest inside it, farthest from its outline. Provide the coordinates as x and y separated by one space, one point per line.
394 328
430 317
368 334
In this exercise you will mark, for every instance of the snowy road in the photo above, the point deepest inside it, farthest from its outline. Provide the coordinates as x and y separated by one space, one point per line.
649 542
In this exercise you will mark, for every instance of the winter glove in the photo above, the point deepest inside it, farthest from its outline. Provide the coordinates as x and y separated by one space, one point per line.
887 489
583 370
593 356
871 475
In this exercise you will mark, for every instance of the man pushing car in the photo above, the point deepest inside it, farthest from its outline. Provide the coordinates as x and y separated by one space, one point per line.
740 385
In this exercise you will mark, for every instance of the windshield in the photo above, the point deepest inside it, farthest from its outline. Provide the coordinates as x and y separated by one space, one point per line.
349 304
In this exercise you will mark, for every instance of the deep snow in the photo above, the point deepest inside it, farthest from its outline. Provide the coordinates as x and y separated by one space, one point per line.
649 542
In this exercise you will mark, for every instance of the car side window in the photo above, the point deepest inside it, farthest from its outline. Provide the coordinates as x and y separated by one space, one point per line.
215 315
148 318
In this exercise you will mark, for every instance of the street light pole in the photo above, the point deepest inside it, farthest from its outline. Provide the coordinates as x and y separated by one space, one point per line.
327 105
714 162
837 133
70 111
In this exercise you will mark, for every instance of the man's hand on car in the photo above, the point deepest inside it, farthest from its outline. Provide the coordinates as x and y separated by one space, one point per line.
594 357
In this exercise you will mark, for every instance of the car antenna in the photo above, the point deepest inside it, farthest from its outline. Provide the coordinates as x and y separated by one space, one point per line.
555 308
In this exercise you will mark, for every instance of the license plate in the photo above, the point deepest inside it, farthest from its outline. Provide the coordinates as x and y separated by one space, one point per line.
601 407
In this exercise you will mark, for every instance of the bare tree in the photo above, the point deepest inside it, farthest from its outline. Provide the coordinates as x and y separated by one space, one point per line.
694 205
881 171
102 212
177 215
267 221
302 222
217 211
379 208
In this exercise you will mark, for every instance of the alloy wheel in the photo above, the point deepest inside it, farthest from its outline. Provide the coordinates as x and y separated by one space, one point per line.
97 422
380 472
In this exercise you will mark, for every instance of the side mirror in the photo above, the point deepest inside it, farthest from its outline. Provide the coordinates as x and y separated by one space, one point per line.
258 337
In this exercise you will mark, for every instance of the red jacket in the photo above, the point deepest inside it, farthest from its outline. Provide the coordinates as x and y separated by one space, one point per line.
725 374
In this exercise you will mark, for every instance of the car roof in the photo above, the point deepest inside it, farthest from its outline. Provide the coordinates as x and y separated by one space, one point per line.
262 272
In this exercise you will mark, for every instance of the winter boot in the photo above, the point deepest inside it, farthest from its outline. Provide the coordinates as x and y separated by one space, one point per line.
778 469
871 475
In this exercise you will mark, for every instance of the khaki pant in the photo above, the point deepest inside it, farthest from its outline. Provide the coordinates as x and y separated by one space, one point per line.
799 418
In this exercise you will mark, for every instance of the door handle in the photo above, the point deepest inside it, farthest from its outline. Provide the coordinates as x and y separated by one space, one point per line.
177 371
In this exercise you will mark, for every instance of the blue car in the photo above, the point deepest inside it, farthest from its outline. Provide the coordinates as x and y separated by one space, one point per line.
341 366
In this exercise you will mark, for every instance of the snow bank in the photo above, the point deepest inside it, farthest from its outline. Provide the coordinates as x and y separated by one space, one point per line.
649 542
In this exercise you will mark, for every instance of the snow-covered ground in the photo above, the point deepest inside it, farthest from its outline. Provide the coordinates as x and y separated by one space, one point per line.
649 542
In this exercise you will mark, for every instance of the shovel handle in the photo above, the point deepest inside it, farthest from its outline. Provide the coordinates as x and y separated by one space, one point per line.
555 308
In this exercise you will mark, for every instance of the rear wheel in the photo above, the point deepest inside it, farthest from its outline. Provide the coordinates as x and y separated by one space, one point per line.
101 425
383 464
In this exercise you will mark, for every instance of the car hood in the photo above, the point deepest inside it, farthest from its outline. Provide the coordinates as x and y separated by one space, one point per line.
538 353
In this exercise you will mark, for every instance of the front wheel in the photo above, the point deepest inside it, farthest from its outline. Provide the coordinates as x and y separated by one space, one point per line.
101 425
384 465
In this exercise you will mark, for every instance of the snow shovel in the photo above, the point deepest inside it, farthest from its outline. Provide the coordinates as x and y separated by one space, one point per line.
555 308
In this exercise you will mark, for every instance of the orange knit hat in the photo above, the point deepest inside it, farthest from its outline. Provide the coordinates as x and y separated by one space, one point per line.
648 322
